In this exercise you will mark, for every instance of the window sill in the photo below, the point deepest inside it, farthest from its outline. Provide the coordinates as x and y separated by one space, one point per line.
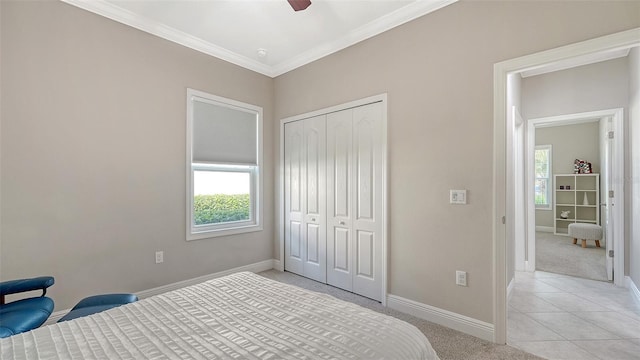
222 232
545 208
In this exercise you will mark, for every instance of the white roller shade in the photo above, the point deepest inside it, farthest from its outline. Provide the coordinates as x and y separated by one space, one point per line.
224 134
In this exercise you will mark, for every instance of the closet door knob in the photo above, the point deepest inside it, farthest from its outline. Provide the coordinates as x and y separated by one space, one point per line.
341 222
313 219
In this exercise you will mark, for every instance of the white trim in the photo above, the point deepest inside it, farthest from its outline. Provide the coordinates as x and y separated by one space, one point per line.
547 229
257 174
255 268
387 22
621 40
510 287
617 212
278 265
633 287
382 98
465 324
126 17
403 15
579 61
55 316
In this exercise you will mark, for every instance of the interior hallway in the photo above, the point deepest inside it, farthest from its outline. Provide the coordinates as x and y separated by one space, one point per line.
562 317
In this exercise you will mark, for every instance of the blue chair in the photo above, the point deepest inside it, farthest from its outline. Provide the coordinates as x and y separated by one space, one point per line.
97 303
24 314
27 314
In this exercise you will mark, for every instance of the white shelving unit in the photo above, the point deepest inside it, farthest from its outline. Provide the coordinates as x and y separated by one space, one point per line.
571 191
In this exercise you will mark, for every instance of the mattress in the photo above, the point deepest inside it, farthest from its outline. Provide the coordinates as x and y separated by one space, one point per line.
240 316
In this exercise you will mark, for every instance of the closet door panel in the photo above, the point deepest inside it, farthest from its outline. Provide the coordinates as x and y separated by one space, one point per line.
366 172
365 250
293 173
339 199
313 239
341 166
368 222
315 196
341 248
334 197
295 240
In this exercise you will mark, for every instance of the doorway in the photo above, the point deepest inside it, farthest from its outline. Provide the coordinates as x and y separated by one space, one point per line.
593 136
504 174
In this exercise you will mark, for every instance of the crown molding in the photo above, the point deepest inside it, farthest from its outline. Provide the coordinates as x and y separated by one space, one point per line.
387 22
403 15
578 61
116 13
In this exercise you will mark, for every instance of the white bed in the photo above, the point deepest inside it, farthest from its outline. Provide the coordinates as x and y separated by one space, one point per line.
240 316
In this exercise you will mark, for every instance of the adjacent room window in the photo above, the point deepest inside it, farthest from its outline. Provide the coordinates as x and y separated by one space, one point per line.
224 146
543 182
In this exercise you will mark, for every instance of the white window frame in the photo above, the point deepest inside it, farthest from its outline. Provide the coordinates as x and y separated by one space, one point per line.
197 232
548 206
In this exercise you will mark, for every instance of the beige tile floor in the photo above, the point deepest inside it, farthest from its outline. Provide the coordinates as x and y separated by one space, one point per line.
562 317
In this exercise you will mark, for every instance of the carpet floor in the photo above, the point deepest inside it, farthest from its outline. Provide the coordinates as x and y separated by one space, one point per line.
448 343
557 254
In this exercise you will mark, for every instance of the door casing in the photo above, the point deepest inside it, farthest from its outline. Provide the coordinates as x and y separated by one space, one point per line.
622 40
617 116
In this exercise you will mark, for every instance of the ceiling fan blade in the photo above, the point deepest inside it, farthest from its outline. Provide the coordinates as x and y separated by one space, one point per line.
298 5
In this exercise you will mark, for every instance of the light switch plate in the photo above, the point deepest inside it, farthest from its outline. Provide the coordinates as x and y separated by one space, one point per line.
458 197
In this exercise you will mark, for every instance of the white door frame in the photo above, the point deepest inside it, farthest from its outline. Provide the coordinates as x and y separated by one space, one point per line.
622 40
616 212
382 98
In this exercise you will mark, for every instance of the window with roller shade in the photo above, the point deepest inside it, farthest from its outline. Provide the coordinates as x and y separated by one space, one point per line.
224 140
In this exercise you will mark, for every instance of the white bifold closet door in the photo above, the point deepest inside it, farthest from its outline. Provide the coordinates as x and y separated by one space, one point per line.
354 200
305 197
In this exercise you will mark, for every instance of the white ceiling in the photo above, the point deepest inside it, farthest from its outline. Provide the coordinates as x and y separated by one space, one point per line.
234 30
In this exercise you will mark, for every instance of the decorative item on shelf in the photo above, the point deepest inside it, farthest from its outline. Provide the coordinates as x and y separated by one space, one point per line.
585 200
582 167
568 187
561 187
564 214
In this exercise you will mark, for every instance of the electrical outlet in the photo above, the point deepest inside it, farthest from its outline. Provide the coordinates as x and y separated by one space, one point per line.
159 257
461 278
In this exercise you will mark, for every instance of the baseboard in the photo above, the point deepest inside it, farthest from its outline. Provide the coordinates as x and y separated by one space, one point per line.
465 324
510 287
278 265
548 229
255 267
633 287
56 316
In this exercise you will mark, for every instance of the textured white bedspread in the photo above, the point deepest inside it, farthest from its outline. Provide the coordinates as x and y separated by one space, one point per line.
240 316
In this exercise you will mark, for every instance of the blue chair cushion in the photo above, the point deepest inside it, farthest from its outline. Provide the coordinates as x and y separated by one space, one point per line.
23 315
22 285
97 303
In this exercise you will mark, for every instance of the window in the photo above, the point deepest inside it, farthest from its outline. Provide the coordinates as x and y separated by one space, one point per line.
224 156
543 183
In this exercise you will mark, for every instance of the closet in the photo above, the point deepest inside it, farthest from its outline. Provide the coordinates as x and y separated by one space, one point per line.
334 198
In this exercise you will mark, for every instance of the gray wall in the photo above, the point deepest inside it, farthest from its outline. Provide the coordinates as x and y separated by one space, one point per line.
634 119
599 86
438 73
93 153
569 142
